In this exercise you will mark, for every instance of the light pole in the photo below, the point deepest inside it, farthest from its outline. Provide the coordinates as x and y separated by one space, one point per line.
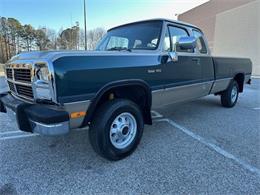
85 25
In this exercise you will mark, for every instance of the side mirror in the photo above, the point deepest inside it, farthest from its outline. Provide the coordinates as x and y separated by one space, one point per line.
186 43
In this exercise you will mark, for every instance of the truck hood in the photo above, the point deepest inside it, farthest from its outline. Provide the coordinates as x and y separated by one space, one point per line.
54 55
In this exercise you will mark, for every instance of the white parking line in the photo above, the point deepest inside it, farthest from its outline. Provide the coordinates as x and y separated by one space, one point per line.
18 136
9 132
11 135
216 148
156 114
81 129
256 108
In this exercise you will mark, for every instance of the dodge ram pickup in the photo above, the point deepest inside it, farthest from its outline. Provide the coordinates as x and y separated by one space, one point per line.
136 67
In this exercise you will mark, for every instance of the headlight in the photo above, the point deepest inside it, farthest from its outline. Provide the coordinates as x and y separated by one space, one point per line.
41 82
42 72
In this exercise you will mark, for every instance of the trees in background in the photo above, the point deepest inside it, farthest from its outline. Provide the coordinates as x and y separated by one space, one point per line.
16 38
69 38
94 37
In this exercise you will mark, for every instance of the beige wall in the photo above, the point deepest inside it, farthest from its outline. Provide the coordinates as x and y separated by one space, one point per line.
237 33
219 19
204 16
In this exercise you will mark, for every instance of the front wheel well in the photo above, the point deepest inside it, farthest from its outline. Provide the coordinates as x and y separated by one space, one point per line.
240 78
136 93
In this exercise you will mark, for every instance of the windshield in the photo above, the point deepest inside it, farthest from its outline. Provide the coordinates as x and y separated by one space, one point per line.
139 36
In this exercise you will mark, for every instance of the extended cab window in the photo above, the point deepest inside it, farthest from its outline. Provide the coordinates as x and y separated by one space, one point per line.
139 36
175 34
201 46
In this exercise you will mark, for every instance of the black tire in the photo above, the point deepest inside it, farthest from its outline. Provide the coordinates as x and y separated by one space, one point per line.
228 99
99 132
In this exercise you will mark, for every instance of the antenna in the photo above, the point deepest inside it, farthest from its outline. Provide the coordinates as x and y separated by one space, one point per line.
85 25
70 32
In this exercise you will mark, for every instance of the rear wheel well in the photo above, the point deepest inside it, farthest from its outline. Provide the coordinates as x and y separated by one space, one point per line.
240 78
135 93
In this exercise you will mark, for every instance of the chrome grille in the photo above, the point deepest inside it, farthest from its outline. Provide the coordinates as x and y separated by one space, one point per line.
11 86
9 73
19 80
24 90
22 75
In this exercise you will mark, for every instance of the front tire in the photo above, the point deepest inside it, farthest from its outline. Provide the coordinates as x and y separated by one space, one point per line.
230 96
116 129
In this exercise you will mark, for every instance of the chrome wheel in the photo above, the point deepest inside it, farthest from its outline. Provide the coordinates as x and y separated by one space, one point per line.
123 130
234 94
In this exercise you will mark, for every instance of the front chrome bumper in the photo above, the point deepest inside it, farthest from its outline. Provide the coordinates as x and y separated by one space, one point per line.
42 119
50 129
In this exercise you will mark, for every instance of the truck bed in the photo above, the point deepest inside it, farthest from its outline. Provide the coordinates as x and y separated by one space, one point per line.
226 67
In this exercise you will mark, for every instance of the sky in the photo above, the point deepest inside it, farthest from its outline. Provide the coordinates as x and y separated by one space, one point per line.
57 14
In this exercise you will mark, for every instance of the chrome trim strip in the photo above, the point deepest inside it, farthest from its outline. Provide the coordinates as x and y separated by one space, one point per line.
85 101
189 85
224 79
182 86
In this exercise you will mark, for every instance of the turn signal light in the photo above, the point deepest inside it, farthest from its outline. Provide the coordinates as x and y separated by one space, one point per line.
75 115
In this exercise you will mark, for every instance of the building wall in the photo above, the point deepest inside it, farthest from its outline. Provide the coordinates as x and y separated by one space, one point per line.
204 16
220 18
237 33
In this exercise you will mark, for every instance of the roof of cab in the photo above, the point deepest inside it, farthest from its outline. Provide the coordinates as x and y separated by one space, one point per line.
159 19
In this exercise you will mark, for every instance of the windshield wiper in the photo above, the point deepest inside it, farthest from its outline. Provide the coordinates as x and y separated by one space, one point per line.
119 49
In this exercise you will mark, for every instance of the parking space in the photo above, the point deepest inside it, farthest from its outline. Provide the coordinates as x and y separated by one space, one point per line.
197 147
236 130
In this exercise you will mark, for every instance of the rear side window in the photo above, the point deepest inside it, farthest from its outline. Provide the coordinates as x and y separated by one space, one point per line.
201 46
175 34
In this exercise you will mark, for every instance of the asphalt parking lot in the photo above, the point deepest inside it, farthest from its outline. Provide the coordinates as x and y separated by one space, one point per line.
196 147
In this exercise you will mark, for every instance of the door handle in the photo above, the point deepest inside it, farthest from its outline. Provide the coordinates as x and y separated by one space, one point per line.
196 60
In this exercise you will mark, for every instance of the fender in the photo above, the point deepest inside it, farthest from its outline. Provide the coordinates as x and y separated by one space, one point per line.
116 84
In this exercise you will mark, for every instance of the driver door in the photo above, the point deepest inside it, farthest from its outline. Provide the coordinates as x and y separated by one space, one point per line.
183 76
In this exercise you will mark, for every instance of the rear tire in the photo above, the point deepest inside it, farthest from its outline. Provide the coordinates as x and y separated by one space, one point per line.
230 96
116 129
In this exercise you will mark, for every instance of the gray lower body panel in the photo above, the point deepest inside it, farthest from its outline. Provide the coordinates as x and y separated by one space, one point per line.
180 94
220 85
81 106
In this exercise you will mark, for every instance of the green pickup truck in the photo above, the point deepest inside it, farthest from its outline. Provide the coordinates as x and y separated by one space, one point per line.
136 67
